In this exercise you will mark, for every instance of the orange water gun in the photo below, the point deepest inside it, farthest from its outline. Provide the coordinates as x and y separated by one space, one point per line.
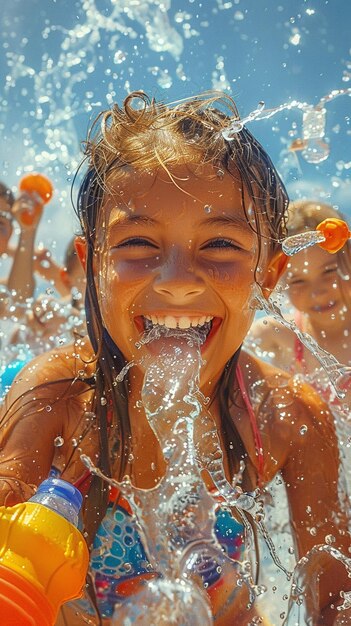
336 233
331 235
38 186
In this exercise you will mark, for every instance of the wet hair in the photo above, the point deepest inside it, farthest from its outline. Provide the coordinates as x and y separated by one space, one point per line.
70 258
144 135
306 215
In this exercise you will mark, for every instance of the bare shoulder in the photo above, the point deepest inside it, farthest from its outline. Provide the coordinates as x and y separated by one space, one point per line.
289 412
74 361
58 379
47 402
276 382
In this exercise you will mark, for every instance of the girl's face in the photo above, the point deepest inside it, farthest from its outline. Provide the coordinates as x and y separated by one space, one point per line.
177 253
314 285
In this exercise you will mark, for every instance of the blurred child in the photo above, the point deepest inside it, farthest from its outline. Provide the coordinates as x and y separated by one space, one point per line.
51 321
180 228
318 286
20 281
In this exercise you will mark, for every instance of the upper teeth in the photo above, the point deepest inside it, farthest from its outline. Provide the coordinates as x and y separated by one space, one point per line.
179 322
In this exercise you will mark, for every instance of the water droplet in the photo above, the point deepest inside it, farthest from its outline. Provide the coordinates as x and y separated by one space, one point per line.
119 57
303 429
207 208
103 401
59 441
48 408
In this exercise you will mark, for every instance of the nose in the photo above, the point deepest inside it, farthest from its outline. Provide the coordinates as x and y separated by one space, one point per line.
177 278
319 288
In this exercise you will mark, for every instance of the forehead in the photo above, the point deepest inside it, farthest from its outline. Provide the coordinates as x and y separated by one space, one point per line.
181 189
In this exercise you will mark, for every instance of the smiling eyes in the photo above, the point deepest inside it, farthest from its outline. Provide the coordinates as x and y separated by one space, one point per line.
222 243
328 271
136 241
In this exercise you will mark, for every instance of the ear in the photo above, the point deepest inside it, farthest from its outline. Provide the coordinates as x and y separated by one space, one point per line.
274 271
81 249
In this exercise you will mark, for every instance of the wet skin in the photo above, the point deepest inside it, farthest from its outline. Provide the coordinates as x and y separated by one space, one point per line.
165 253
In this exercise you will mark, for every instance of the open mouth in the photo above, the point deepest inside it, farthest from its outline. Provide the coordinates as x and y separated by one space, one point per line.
199 328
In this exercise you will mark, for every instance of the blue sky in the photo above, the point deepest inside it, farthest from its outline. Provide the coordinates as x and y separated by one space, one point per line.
61 62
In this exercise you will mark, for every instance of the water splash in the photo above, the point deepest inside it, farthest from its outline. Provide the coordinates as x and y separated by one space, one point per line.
238 124
314 149
176 517
337 373
301 241
303 607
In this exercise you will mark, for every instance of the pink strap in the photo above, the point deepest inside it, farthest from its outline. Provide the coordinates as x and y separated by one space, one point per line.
253 421
298 346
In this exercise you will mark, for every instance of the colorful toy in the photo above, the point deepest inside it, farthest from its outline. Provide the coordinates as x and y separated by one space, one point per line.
43 556
40 187
331 235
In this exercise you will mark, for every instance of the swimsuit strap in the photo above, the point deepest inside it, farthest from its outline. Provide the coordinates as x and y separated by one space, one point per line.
256 433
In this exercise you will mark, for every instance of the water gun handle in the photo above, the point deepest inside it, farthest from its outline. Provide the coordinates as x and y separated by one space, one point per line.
336 233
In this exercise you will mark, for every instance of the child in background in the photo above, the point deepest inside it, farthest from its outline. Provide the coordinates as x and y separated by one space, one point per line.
67 279
54 321
20 281
318 286
180 227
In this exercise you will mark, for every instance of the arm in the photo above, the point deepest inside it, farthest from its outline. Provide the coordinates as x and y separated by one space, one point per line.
21 281
311 473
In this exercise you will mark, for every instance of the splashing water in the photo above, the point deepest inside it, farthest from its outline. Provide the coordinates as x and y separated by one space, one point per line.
301 241
314 149
237 125
302 609
337 373
176 518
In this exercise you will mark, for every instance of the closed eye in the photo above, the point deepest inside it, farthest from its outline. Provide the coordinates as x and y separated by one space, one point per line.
136 241
222 243
331 270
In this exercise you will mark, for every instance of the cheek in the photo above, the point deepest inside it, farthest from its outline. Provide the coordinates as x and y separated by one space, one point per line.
298 297
233 275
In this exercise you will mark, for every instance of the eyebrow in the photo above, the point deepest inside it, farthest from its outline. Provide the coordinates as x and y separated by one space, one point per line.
225 220
143 220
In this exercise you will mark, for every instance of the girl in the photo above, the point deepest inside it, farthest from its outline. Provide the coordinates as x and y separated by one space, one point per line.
319 289
180 227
